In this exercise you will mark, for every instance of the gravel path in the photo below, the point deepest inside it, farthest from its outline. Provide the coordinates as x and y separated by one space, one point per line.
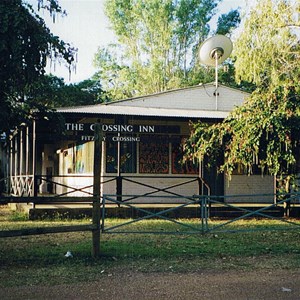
264 285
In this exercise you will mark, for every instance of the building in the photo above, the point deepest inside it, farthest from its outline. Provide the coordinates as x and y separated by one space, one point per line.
141 149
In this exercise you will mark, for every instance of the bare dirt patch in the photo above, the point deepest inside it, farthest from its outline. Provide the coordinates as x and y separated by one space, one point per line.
281 284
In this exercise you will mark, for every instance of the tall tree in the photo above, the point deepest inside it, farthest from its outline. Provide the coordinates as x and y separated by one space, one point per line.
265 130
52 92
228 22
159 41
25 45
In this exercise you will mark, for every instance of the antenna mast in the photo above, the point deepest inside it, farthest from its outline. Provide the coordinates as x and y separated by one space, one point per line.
213 52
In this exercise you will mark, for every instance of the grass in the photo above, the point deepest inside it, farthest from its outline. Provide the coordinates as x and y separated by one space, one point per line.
30 260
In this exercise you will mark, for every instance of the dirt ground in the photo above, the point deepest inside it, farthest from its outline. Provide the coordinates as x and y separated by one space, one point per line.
264 285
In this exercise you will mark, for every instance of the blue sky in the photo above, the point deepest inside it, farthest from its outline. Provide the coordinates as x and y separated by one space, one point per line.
87 28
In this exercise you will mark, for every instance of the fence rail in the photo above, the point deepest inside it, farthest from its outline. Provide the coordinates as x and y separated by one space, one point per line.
167 194
202 225
82 185
202 204
46 230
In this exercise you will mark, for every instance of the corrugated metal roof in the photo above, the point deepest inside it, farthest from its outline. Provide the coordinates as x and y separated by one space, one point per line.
144 111
192 102
193 97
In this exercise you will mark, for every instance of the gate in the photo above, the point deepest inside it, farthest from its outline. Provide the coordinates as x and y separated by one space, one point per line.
201 208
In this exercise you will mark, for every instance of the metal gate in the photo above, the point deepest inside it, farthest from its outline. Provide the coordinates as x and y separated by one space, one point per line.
203 207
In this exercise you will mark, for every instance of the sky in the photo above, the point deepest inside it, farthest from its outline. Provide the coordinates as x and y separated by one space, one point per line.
87 28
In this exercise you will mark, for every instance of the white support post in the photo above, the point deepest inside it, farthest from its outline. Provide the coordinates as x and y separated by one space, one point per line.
119 156
16 156
10 166
34 186
21 153
27 151
216 76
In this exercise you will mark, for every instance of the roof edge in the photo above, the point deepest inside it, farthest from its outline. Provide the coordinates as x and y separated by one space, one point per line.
172 91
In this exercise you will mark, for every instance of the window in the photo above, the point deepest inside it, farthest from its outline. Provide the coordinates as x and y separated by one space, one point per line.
84 154
78 158
154 157
178 167
154 154
127 155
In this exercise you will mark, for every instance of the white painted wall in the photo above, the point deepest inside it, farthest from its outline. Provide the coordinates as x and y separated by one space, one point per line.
135 187
250 185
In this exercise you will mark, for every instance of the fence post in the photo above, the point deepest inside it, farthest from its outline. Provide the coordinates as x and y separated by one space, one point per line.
119 188
206 199
97 191
202 213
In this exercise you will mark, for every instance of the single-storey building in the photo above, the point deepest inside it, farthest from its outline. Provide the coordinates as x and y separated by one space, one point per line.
141 149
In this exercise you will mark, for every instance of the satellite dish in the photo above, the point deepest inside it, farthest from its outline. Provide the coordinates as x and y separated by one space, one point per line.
217 47
213 52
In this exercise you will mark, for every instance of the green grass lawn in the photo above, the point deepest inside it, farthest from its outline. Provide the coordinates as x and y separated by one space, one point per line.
40 259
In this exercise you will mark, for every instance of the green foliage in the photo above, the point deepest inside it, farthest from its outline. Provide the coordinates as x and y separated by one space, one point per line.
118 79
227 22
158 42
265 130
51 91
267 51
18 216
25 45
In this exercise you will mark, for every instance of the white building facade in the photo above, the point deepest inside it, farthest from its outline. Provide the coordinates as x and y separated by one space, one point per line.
141 149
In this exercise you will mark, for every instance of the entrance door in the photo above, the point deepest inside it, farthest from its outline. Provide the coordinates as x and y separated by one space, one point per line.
213 178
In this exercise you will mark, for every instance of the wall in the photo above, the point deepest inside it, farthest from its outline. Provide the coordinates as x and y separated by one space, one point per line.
250 185
184 186
68 154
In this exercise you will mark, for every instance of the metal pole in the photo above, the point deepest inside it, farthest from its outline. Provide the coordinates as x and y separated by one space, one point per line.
216 72
202 214
16 157
97 191
21 152
119 156
275 190
119 178
206 214
34 159
27 151
10 166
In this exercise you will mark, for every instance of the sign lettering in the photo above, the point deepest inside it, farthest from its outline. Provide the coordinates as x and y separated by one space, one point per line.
110 128
117 132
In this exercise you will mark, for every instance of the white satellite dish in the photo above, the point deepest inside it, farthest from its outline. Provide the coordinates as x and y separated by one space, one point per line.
213 52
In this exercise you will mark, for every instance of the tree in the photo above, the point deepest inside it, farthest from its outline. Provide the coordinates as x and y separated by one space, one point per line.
25 45
265 130
158 41
51 92
117 78
228 22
